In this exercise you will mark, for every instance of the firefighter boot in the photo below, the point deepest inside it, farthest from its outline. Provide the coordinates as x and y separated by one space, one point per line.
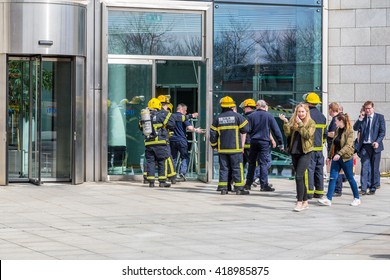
164 184
151 184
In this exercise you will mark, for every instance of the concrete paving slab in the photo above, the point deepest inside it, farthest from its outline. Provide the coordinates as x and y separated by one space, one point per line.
190 220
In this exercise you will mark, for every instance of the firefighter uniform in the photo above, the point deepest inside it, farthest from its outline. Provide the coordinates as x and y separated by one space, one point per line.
251 104
315 172
225 136
156 144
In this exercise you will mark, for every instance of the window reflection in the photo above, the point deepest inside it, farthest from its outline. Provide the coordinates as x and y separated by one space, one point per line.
263 48
154 33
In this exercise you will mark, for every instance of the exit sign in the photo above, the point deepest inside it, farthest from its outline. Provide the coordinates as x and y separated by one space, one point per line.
153 17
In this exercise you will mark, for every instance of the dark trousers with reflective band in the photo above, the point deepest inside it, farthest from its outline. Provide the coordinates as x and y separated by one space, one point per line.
231 163
156 154
316 173
301 163
170 166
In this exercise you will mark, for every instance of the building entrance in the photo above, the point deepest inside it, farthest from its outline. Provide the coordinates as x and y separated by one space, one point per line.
132 83
39 125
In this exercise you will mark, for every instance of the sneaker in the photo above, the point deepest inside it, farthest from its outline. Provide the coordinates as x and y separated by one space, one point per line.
325 201
355 202
257 181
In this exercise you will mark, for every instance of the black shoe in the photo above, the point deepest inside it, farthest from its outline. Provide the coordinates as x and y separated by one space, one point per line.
371 192
336 194
164 185
182 177
363 193
247 187
267 189
173 180
151 184
223 192
146 181
316 195
242 192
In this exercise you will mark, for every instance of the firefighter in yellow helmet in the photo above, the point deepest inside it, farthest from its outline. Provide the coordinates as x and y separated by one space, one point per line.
315 172
225 135
166 105
249 106
156 142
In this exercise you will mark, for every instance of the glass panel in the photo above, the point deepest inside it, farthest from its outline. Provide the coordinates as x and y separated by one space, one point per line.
267 52
129 90
56 121
18 118
154 33
264 48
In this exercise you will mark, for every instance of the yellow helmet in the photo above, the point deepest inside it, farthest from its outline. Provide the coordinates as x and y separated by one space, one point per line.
248 103
164 98
154 103
170 107
227 102
312 98
137 99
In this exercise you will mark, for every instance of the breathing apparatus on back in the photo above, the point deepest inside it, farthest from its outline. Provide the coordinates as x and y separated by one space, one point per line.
146 122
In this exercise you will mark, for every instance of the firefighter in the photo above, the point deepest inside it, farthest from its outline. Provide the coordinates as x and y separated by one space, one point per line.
171 173
166 105
156 143
227 134
315 172
249 106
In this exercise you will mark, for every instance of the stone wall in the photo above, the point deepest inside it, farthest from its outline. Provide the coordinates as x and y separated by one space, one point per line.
359 58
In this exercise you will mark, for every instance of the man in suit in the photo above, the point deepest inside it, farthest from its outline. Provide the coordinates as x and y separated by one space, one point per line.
372 129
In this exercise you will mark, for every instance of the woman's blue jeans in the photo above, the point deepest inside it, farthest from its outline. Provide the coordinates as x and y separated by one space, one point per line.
335 168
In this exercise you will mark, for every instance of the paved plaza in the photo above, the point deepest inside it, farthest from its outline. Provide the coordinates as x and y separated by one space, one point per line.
189 221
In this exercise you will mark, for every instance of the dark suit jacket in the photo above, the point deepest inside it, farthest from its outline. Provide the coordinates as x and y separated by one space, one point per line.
378 131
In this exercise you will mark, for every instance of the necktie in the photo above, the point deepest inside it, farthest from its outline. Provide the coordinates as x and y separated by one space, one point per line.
367 131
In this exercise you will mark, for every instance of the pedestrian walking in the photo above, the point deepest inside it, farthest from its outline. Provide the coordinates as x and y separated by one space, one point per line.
341 157
334 109
370 144
300 132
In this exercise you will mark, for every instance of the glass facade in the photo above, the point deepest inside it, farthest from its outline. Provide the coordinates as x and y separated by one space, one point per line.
270 52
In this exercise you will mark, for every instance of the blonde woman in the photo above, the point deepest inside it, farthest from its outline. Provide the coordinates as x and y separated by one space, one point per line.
300 130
